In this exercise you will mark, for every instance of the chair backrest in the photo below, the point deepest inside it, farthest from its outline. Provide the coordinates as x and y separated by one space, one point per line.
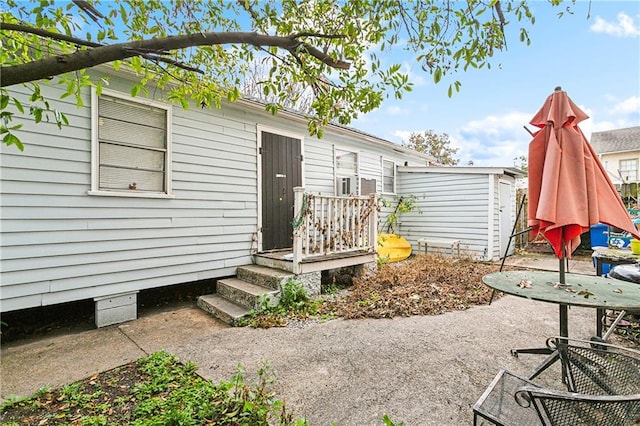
559 408
599 369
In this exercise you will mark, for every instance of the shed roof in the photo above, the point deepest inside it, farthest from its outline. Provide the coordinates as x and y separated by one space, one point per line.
509 171
619 140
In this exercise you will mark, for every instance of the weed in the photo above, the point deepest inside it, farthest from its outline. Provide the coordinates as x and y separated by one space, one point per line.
294 303
330 288
405 204
293 295
156 390
388 422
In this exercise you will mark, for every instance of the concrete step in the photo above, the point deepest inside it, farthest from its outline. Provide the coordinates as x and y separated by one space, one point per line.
264 276
246 294
272 262
222 308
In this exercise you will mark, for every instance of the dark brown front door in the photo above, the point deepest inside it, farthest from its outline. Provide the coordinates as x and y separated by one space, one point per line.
281 172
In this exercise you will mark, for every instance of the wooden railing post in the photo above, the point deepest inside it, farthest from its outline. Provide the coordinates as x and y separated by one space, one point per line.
299 232
327 225
373 223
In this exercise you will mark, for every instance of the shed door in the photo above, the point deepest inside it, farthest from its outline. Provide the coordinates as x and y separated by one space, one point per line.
506 226
281 172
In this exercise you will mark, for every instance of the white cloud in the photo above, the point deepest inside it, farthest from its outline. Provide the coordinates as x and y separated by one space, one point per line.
395 110
624 27
493 140
490 141
620 115
628 106
403 135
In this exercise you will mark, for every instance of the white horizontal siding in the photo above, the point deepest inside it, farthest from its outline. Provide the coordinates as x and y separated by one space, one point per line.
453 206
60 244
318 166
371 167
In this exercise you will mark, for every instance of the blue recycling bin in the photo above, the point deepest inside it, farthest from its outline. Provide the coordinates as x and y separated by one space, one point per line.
599 234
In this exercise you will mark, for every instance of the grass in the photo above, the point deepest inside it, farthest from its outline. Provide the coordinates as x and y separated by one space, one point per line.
154 390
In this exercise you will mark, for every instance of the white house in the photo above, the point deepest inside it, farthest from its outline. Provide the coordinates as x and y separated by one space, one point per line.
137 194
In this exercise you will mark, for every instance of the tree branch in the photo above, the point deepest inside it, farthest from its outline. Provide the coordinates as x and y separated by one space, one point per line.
87 58
151 56
47 34
91 11
160 59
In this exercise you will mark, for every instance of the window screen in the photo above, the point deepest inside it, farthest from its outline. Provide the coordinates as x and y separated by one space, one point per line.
132 146
388 176
346 173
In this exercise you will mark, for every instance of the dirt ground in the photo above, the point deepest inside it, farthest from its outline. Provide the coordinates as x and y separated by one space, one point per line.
425 369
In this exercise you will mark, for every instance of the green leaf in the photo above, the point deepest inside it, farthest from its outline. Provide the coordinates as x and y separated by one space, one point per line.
18 105
37 114
71 88
4 101
11 139
135 89
437 75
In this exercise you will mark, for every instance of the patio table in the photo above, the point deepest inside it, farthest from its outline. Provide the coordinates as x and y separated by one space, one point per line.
578 290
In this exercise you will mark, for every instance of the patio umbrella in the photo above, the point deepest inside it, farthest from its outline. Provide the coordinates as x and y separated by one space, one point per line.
569 189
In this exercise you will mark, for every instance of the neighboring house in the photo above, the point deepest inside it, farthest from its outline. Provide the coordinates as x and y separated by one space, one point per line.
619 153
137 194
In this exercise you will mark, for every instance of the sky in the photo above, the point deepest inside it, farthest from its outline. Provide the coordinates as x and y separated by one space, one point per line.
593 55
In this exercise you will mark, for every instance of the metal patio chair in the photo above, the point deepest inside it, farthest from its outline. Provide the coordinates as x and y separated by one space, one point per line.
603 388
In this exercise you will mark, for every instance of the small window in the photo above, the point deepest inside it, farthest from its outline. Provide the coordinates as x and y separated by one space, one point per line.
346 173
388 177
629 170
346 185
131 147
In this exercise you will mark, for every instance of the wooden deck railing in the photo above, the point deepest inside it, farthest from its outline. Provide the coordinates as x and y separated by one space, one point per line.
328 225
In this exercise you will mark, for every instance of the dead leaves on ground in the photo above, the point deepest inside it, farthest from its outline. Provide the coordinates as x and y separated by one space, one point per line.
421 285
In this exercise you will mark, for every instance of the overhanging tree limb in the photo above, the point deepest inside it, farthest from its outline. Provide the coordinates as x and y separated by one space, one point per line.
47 34
80 42
87 58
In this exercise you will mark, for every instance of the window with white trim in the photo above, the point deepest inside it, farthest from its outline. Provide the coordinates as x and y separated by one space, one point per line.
131 146
346 173
388 177
629 170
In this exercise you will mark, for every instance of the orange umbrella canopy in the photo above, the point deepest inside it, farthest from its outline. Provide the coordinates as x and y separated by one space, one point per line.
569 190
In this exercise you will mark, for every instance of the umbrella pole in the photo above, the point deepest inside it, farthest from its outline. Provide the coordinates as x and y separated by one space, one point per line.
564 314
564 309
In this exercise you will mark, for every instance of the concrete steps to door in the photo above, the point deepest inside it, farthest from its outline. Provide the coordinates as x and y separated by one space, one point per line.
247 294
265 276
255 288
221 308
